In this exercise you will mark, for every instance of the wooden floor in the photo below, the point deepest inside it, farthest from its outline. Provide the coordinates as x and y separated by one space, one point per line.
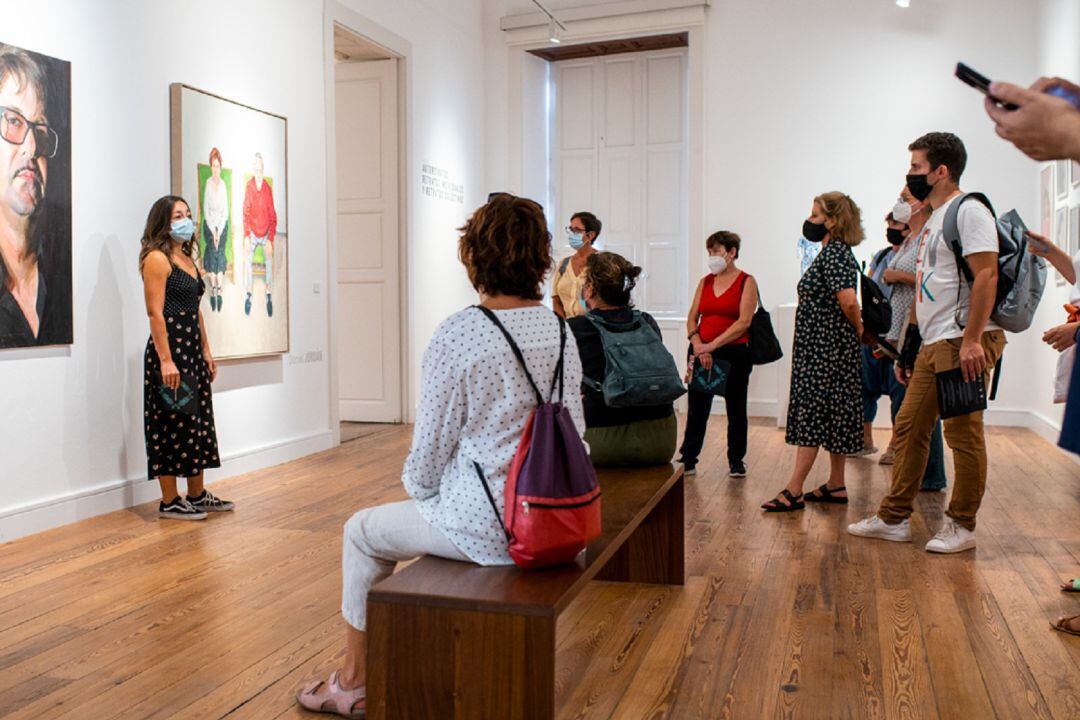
124 616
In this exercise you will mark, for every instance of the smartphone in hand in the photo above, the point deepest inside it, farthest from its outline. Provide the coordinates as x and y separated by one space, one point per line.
980 82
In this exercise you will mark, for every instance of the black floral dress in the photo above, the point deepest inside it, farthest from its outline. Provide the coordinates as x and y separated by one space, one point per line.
825 409
179 443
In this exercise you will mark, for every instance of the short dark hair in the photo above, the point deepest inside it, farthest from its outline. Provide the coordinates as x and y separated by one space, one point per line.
591 222
943 148
506 248
612 277
729 240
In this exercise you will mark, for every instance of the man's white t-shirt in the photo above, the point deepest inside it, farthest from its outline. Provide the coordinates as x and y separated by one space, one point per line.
942 294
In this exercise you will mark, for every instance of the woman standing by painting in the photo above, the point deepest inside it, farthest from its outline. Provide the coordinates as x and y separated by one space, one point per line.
178 365
215 229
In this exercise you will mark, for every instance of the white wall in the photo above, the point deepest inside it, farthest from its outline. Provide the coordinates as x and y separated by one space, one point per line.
71 427
447 126
801 98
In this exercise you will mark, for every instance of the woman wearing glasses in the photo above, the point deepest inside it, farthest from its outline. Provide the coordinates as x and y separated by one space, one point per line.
569 272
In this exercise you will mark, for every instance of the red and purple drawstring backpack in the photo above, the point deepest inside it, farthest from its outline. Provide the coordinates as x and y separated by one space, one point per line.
551 496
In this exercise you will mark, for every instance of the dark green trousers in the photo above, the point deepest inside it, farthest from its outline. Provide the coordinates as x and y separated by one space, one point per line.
641 443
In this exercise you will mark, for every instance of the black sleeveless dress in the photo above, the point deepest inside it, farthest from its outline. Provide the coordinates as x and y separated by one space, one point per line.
178 442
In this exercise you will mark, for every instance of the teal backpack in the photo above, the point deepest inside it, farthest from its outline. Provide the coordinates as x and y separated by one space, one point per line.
639 370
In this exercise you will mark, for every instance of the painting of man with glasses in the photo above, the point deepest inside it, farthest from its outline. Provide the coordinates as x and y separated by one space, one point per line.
35 199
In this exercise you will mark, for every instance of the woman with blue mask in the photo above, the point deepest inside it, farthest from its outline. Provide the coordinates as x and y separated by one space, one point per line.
178 366
566 286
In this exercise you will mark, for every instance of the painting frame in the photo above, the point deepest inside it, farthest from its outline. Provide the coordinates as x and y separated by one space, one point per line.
1061 179
1074 230
1046 200
42 191
1074 170
186 164
1061 233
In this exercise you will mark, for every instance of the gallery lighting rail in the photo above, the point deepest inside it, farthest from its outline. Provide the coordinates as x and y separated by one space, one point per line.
553 24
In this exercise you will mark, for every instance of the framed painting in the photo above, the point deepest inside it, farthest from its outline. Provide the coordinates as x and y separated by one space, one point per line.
1074 171
229 161
1061 175
1061 234
35 199
1046 200
1074 230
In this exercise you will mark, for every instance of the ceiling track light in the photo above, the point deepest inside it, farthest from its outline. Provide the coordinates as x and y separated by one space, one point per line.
554 26
903 3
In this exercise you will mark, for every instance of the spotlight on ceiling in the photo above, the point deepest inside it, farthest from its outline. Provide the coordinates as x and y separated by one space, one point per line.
553 33
903 3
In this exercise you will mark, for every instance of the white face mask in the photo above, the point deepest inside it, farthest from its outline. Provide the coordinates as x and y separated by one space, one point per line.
717 264
901 212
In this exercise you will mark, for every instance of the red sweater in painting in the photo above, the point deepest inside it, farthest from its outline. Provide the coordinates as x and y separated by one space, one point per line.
260 218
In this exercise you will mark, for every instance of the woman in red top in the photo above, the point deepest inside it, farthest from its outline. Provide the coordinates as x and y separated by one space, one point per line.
720 315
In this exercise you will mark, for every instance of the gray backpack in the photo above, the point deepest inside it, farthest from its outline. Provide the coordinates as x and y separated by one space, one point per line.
639 370
1021 275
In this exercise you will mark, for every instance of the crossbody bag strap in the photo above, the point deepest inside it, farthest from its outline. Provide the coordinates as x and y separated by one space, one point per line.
517 351
491 499
560 368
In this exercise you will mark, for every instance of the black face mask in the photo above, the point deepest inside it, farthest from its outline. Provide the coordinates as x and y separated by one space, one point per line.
919 187
894 236
814 232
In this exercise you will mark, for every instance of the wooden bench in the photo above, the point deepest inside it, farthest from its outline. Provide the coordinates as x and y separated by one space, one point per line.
455 640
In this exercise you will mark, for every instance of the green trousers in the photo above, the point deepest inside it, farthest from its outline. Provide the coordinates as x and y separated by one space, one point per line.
641 443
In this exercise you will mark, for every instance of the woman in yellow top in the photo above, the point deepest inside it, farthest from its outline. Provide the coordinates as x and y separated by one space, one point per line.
569 272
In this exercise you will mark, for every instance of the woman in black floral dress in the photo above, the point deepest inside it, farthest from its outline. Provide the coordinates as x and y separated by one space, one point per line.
825 408
178 411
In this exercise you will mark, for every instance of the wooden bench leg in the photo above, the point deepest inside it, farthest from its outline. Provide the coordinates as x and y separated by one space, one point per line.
655 552
431 662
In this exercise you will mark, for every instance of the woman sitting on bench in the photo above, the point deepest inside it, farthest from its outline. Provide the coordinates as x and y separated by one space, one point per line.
621 436
474 402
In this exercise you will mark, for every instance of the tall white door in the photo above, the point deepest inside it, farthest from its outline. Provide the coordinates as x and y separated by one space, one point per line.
620 151
369 308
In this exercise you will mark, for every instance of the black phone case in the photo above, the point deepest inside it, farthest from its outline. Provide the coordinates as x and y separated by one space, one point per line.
956 397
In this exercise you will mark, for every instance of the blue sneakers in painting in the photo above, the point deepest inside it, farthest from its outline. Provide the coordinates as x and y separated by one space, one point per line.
247 305
269 306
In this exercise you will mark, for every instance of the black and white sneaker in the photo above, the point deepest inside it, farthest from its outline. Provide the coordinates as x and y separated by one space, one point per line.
208 502
737 469
179 509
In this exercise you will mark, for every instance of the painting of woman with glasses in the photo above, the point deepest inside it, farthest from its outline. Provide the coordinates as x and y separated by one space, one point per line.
35 199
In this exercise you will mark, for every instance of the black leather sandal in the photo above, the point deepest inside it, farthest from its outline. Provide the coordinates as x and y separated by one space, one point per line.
793 503
824 495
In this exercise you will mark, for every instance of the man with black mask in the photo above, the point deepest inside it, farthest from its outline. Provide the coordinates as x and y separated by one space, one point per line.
953 317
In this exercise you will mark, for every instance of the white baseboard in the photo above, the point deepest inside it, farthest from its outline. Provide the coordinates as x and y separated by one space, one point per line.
21 520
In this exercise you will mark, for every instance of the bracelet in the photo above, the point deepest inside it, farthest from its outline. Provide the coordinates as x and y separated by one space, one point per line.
691 335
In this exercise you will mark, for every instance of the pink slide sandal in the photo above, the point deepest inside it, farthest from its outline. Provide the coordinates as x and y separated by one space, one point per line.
328 697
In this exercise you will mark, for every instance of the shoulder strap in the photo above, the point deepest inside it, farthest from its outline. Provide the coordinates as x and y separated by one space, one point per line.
560 367
491 499
951 229
517 351
997 378
563 264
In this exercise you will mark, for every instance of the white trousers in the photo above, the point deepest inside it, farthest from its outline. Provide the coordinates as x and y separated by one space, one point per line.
376 540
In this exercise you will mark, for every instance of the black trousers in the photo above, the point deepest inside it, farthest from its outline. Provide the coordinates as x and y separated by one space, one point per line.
735 394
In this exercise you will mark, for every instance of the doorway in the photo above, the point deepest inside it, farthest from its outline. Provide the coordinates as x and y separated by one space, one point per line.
368 232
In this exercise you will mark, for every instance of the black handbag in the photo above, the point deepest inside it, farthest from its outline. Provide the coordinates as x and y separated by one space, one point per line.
764 345
184 399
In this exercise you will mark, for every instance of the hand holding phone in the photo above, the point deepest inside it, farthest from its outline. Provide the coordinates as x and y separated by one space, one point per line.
981 83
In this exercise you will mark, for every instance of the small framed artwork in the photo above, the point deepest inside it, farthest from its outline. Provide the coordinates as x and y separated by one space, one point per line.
1061 234
1074 230
1075 172
1062 179
1046 200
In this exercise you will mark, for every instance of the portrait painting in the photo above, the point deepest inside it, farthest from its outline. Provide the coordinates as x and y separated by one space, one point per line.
35 199
229 161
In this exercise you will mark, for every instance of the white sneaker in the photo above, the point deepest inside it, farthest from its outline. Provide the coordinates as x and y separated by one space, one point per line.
875 527
952 538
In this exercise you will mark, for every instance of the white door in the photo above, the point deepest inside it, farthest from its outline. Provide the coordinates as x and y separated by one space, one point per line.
620 151
369 309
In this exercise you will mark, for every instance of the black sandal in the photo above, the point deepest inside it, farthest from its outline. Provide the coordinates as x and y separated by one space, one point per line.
824 495
794 503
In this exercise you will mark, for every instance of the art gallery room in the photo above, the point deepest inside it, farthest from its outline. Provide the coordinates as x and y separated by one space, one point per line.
446 359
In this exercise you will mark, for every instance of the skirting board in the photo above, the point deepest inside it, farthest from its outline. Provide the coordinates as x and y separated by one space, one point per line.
19 521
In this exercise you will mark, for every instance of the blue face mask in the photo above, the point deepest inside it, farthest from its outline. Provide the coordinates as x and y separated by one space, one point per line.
576 240
182 230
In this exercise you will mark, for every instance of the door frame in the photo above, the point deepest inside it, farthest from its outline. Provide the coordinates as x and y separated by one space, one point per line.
401 50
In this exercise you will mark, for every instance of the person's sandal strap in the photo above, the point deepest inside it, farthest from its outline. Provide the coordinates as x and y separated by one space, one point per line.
328 697
1062 625
827 495
793 502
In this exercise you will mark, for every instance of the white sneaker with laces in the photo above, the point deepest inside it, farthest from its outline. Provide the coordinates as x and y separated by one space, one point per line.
952 538
875 527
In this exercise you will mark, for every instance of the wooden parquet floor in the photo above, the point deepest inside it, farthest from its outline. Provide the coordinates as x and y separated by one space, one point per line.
124 616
